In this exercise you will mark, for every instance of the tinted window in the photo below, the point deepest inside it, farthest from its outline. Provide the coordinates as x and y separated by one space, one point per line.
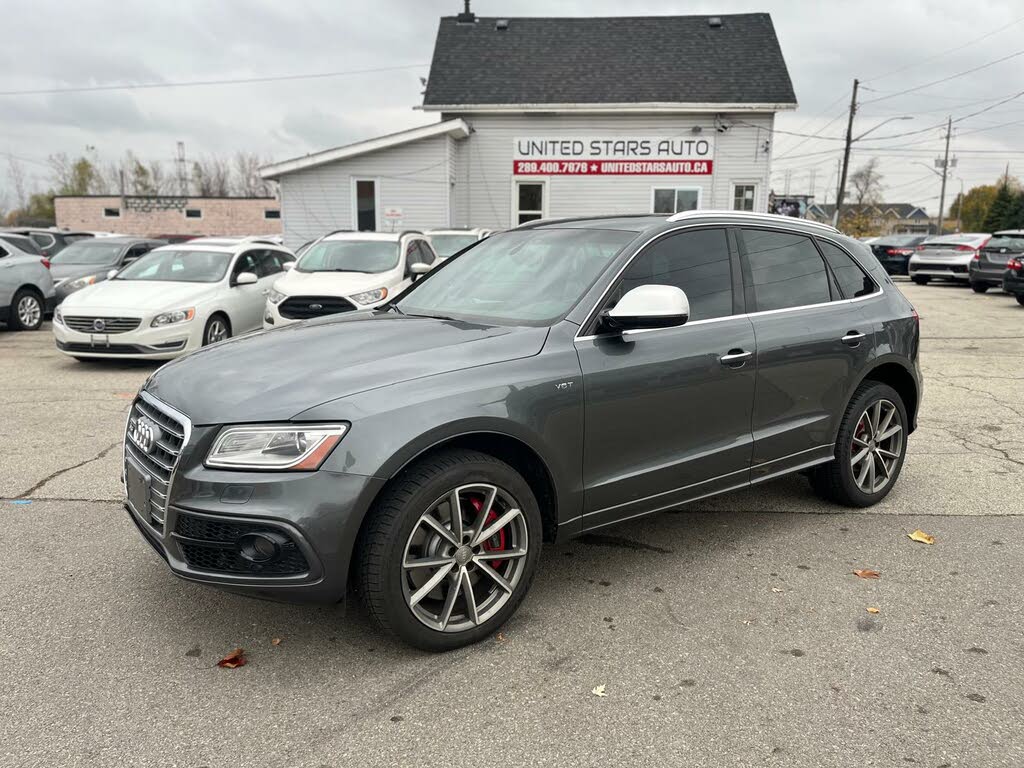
267 264
247 262
785 270
426 255
851 278
697 262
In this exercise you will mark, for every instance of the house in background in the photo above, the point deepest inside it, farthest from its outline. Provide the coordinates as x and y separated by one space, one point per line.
885 218
554 117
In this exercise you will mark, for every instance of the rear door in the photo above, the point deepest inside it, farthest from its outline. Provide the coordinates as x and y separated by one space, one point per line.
667 419
812 344
246 301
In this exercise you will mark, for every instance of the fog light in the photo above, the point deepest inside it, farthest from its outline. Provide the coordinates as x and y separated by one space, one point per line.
260 547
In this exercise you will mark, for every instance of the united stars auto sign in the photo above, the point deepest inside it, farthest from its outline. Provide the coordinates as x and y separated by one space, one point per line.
613 155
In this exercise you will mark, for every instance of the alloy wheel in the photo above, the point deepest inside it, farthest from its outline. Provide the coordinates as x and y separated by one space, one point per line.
29 311
877 446
217 331
464 557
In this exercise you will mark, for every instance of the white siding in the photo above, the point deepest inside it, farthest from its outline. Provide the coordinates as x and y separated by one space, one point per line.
482 194
414 177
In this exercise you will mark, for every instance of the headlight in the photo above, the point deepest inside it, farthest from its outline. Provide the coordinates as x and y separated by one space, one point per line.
58 316
177 316
274 297
81 282
369 297
296 447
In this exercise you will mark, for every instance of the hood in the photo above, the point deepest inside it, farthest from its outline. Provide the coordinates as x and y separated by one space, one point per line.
71 271
276 375
144 297
297 283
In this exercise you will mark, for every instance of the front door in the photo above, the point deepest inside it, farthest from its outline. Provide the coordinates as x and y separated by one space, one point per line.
667 419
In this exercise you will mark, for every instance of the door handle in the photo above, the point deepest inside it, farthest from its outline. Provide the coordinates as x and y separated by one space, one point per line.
735 357
852 338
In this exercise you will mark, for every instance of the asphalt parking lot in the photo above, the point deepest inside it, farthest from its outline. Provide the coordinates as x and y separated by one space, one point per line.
729 633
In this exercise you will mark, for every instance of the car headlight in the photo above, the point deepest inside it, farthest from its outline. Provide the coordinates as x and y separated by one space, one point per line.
81 282
369 297
58 316
294 447
177 316
275 297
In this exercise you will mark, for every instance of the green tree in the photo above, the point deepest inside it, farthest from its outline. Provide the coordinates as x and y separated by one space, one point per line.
1000 213
975 207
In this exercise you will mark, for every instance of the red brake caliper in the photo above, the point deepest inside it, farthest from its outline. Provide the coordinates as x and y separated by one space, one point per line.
497 542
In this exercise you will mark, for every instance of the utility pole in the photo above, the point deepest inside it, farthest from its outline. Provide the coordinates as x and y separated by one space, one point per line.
959 205
810 183
945 173
182 169
846 154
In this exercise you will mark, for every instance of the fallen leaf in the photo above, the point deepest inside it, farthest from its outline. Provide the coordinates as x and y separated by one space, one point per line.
501 637
275 641
867 574
234 659
872 610
776 590
599 691
922 537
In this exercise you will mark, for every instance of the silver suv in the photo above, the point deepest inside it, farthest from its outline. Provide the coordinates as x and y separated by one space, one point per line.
26 287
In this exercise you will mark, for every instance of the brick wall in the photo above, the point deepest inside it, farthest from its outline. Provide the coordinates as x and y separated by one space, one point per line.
154 216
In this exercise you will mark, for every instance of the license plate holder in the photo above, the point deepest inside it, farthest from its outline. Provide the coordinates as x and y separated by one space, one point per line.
138 482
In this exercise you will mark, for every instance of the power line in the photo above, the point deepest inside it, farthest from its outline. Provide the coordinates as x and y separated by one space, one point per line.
193 83
945 79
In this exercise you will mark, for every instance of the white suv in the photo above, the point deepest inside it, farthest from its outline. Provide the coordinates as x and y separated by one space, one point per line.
173 300
448 242
347 271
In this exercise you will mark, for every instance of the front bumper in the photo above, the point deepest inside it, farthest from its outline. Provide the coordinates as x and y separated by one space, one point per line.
163 343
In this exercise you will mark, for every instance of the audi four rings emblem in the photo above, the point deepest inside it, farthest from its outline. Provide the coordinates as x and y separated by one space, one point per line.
144 433
99 324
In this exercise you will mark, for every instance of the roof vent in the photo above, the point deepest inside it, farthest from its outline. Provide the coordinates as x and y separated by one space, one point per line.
501 25
466 17
715 22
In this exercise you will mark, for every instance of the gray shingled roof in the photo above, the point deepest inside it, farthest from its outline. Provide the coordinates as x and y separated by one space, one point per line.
639 59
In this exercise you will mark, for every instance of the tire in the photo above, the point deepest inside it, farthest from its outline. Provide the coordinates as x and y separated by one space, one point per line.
27 311
837 481
218 328
395 533
1020 299
979 287
921 279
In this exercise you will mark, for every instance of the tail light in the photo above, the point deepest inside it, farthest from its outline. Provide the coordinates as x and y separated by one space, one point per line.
899 251
45 263
917 317
976 256
920 247
965 248
1015 264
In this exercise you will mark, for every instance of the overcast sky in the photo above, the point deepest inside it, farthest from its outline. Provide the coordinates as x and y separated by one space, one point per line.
891 46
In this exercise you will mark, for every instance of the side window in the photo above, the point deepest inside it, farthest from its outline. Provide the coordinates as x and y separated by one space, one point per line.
853 281
427 255
246 263
135 252
43 240
268 264
3 251
696 261
412 253
785 270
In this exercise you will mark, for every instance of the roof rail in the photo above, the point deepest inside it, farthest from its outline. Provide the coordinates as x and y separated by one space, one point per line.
405 232
766 217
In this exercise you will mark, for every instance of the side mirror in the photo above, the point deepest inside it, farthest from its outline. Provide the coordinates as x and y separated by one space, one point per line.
419 268
246 278
649 306
111 273
288 266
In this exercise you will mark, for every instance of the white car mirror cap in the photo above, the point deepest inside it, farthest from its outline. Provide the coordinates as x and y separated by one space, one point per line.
111 273
419 268
288 266
246 278
650 306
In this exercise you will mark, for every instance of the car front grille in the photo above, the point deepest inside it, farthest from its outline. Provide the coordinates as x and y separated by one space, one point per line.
88 324
161 460
305 307
209 544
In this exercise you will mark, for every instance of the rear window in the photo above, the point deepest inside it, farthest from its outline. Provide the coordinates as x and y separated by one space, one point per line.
853 282
1009 242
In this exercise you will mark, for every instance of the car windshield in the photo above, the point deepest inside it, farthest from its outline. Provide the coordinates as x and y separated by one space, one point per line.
1009 242
529 277
89 251
350 256
178 266
446 245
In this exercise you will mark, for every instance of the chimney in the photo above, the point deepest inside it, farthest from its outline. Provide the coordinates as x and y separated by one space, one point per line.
466 17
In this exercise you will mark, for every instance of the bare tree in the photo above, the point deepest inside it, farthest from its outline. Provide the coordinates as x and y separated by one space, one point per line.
16 174
211 177
247 181
866 183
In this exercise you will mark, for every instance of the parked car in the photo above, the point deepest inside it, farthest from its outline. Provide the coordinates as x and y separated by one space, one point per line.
448 242
89 261
945 258
553 380
346 271
173 300
894 251
51 241
991 262
1013 278
22 244
26 286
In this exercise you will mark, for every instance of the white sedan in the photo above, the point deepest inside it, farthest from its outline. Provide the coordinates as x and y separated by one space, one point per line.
173 300
945 258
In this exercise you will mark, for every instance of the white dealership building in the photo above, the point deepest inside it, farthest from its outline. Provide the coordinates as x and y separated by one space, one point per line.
555 117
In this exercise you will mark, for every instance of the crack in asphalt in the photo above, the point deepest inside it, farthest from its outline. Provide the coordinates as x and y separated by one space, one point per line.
59 472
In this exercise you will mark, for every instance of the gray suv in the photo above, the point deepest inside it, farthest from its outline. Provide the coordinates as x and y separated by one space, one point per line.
552 380
26 287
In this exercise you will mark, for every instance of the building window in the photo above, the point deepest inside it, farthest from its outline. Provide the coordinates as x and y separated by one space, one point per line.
365 205
193 213
272 213
669 200
111 213
743 197
529 201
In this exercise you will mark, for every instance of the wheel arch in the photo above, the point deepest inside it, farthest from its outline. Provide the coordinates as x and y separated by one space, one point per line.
894 372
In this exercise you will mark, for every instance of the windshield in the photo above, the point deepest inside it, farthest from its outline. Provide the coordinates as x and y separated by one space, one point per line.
350 256
446 245
178 266
532 277
1009 242
89 252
